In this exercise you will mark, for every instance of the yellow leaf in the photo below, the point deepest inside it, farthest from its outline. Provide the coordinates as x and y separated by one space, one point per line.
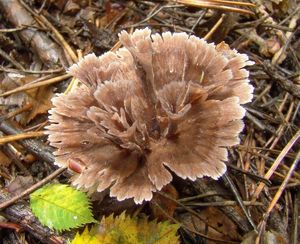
126 230
86 238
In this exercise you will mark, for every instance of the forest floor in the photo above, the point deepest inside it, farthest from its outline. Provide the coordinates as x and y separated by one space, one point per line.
258 198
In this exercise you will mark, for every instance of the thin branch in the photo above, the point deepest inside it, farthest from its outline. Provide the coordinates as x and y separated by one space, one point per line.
32 188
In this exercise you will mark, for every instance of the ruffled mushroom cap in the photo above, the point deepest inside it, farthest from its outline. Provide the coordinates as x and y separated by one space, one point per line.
163 103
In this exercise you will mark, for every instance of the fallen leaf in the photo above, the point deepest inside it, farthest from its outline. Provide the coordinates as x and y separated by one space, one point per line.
20 184
41 102
39 98
166 204
213 222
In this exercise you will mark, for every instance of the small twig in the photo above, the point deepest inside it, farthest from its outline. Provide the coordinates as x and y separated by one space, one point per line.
294 239
198 20
162 22
291 15
254 176
215 27
207 194
16 156
274 139
278 27
271 151
34 146
284 83
48 71
259 124
36 85
12 114
289 185
279 192
221 204
239 200
26 135
32 188
13 29
283 185
221 5
11 60
279 55
9 225
275 165
66 46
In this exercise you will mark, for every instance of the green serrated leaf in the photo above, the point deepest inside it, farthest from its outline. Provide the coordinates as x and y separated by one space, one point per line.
61 207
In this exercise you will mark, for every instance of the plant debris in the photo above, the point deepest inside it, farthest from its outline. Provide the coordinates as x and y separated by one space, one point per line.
256 199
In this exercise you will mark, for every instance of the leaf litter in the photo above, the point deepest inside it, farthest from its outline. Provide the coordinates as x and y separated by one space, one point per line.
205 209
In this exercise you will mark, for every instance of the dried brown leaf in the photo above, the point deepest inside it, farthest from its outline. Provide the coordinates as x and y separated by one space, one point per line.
4 159
41 102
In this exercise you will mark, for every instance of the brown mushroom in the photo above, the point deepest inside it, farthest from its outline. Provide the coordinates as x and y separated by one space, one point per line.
162 104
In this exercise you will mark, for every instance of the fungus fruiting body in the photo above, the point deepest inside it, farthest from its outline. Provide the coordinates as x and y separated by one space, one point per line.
162 104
